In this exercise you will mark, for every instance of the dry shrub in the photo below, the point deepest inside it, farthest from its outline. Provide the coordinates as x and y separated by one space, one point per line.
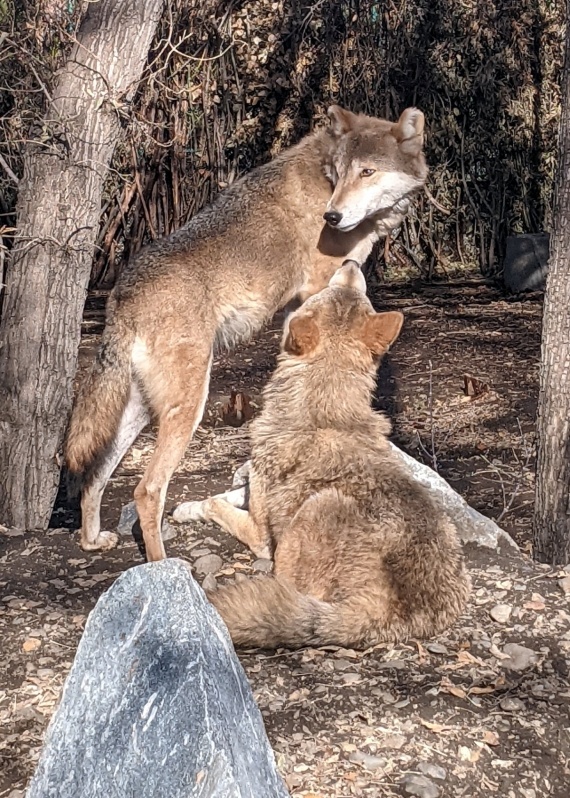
228 84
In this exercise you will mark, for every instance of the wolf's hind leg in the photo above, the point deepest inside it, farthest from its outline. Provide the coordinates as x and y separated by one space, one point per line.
178 394
134 419
238 523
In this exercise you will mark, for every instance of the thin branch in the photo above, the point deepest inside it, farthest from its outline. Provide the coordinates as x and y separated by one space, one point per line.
8 171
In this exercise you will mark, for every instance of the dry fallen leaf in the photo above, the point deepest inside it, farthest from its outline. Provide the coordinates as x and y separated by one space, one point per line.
422 653
474 387
237 410
536 603
468 659
448 687
467 755
490 688
491 738
31 644
436 728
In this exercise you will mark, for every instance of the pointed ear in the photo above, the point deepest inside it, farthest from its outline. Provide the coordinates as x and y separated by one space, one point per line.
341 119
302 336
409 131
381 330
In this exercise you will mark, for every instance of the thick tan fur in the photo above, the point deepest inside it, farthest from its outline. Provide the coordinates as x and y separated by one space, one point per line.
361 552
216 281
101 399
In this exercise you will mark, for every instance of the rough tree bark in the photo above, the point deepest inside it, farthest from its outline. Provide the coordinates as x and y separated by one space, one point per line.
58 212
552 506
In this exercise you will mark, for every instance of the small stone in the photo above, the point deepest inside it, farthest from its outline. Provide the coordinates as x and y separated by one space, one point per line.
167 532
263 565
433 771
384 695
519 658
129 517
209 582
436 648
342 664
419 786
565 585
396 664
538 691
241 475
509 704
396 741
208 564
367 761
27 713
501 613
201 552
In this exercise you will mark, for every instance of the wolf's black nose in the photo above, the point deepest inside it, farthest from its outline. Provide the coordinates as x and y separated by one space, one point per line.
332 217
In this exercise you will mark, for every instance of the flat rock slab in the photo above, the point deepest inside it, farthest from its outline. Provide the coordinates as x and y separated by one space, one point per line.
156 704
473 526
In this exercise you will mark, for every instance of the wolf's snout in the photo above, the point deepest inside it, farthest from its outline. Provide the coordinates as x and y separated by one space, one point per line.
332 217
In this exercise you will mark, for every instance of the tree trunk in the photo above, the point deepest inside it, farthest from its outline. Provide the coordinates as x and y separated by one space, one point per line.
552 507
58 213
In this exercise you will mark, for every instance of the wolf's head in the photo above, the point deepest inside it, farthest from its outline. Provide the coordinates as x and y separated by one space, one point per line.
340 325
374 165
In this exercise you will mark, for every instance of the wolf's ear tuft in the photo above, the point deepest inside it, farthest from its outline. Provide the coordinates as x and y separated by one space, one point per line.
409 131
302 336
341 119
381 330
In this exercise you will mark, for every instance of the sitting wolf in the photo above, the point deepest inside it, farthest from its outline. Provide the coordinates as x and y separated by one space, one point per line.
361 552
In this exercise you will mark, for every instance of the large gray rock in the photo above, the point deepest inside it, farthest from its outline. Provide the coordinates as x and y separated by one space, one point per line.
473 526
156 704
526 262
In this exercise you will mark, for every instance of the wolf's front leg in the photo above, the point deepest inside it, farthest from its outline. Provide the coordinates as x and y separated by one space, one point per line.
194 511
240 524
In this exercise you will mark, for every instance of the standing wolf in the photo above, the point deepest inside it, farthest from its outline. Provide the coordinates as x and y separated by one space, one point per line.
219 279
362 554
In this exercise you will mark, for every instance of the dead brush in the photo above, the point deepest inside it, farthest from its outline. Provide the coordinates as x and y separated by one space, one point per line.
228 85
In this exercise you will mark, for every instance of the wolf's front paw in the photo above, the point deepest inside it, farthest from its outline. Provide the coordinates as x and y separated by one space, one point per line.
103 542
189 511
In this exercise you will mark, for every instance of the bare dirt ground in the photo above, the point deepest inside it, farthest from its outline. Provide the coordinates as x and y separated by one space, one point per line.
454 716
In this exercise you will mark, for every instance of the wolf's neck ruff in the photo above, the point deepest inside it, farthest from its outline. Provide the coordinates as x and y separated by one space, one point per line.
319 395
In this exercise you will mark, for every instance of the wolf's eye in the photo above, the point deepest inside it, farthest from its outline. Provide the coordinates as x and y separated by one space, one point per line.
367 172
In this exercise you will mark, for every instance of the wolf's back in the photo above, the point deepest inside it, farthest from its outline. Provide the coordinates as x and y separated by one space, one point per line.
101 399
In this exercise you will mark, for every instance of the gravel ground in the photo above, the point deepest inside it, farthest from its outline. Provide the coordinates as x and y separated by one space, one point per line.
482 709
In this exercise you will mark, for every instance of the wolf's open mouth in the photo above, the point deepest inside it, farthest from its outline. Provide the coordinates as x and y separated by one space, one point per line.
401 206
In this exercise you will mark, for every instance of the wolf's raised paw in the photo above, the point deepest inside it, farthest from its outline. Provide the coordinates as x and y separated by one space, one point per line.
188 511
103 542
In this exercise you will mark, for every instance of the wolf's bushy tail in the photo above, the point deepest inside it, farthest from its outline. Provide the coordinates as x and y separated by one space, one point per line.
101 400
266 613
